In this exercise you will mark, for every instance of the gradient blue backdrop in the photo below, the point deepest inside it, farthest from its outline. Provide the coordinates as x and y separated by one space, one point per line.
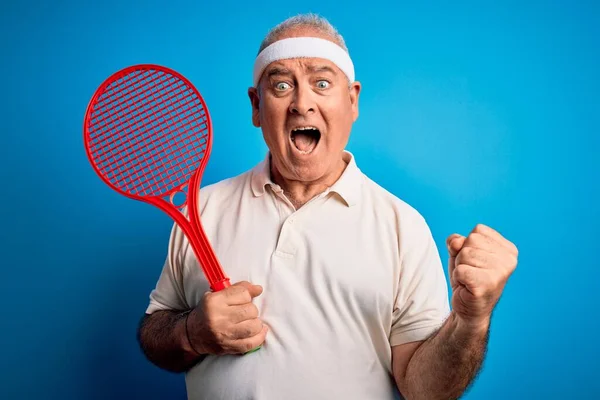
471 113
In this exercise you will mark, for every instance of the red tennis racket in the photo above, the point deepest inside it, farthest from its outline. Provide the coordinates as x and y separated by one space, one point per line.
148 135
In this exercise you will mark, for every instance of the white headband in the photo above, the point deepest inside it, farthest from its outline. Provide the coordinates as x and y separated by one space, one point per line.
303 47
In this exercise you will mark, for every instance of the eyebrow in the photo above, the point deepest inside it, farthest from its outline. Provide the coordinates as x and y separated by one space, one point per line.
273 71
278 71
321 68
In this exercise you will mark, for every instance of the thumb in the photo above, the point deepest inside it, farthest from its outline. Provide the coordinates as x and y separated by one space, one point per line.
454 243
255 290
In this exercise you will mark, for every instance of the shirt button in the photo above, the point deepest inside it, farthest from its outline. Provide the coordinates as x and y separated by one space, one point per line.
291 220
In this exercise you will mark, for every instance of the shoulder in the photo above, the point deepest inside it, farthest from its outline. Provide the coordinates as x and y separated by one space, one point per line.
381 200
225 190
395 216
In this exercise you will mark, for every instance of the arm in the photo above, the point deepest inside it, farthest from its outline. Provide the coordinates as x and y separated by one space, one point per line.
224 322
444 365
163 340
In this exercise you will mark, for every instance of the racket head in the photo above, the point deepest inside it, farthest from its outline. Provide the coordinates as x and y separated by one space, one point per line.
147 131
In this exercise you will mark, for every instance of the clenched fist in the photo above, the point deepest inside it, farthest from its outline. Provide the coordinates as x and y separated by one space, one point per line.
226 322
479 266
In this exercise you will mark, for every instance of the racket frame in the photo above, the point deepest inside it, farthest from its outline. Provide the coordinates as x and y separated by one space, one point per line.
191 225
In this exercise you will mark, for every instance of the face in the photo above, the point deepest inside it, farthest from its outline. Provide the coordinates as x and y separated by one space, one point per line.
306 109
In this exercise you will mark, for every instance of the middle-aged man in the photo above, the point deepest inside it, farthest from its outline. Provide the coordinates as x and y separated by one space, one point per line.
338 281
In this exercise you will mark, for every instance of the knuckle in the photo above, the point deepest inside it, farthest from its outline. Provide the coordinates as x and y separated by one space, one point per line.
257 327
242 292
479 228
478 238
464 254
252 311
478 292
233 291
219 339
212 325
242 313
207 299
247 312
247 296
466 273
470 239
469 252
245 332
245 346
459 258
480 256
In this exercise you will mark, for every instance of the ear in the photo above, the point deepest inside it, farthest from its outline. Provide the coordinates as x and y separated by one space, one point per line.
354 90
254 101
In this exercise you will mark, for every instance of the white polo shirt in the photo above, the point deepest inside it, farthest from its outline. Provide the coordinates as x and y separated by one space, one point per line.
351 273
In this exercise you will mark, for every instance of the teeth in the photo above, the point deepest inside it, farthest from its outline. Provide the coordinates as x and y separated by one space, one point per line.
306 152
309 144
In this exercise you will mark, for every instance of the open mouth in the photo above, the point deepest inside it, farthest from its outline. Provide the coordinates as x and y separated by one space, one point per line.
305 138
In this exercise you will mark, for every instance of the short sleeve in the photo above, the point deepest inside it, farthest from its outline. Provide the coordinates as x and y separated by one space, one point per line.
421 304
168 293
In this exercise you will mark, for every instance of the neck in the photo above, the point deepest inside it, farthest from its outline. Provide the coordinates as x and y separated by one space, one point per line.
300 192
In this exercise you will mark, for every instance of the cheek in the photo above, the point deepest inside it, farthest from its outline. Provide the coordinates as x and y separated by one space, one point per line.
338 117
273 112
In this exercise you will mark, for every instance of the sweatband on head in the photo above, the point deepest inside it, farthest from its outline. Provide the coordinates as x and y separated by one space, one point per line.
303 47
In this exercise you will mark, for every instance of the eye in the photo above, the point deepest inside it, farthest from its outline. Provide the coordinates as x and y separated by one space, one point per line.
322 84
282 86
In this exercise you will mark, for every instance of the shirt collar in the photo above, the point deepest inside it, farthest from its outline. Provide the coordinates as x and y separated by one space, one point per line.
348 186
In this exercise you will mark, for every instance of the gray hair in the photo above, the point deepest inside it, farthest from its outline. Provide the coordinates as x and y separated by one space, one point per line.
310 20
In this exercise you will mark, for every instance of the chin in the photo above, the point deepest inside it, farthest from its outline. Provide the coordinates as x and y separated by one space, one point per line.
309 168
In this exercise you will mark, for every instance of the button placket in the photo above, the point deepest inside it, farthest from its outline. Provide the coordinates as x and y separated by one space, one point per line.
285 244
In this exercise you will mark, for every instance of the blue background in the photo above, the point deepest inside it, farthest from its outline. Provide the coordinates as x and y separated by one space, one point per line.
471 113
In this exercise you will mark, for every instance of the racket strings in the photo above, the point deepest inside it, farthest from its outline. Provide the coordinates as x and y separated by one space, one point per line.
131 118
117 162
111 100
148 133
142 107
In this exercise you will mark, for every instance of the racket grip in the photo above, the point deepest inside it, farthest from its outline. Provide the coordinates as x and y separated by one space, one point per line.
220 285
224 284
253 350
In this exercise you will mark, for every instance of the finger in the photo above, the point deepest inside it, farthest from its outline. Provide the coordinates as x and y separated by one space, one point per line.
496 236
244 312
454 243
483 242
241 293
255 290
245 345
476 257
470 277
246 329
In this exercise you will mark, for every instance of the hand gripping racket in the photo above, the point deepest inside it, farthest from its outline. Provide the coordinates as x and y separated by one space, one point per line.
148 135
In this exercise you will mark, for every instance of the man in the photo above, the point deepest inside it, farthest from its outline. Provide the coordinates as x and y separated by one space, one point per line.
337 282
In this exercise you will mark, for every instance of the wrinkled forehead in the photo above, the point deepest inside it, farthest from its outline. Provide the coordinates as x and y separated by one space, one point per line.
301 65
311 51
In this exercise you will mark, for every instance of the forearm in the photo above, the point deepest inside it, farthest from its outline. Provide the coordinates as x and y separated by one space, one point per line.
444 365
163 340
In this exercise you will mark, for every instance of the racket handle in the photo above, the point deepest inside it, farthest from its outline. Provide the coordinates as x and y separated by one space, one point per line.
253 350
224 284
220 285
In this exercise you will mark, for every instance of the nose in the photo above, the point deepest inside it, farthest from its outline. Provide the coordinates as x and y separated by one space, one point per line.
302 102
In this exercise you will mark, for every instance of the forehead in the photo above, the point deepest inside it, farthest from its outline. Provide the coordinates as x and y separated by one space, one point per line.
304 65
